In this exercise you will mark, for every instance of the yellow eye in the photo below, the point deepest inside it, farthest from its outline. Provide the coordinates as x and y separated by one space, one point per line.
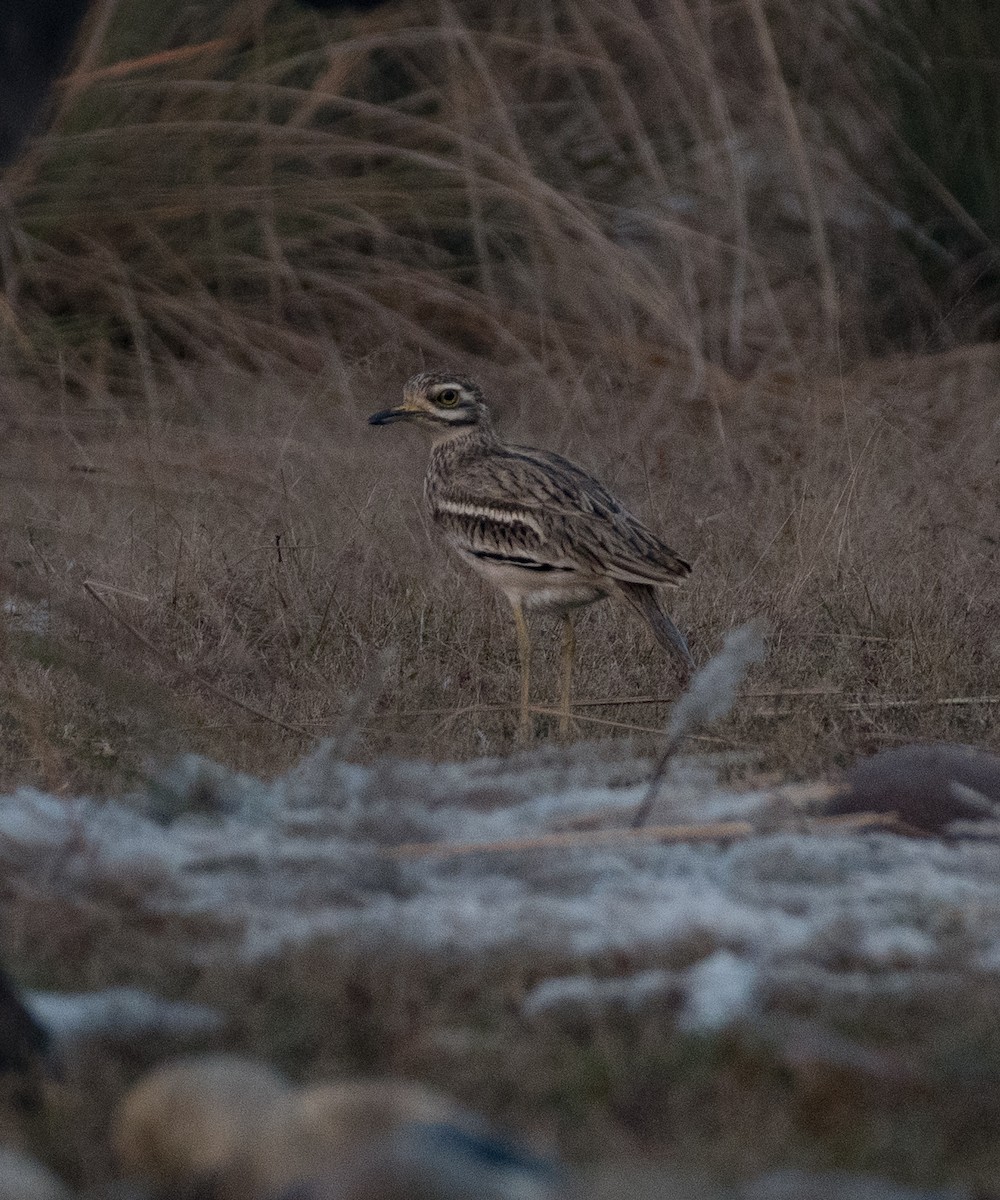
448 398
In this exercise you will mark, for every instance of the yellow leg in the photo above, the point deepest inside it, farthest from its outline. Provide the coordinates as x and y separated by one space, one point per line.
568 651
524 654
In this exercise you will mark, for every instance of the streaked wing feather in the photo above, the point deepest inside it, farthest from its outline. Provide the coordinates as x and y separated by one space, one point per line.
496 532
540 504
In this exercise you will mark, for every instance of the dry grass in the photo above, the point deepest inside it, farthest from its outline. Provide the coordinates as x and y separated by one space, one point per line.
238 240
259 557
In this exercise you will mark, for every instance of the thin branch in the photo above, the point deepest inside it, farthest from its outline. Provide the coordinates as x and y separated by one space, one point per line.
645 807
716 831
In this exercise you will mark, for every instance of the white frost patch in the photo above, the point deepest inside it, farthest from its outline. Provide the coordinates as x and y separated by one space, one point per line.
122 1012
249 868
897 946
720 990
584 993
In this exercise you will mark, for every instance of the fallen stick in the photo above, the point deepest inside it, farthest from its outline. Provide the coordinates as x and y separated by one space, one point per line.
715 831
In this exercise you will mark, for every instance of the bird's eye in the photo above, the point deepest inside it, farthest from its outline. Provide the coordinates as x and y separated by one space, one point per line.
448 398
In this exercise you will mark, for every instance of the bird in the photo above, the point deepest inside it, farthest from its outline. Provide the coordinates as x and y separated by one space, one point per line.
535 525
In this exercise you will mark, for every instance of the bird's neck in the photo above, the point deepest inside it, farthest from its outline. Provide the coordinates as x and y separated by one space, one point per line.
452 453
464 440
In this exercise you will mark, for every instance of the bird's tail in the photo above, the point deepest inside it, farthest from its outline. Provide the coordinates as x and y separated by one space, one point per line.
644 599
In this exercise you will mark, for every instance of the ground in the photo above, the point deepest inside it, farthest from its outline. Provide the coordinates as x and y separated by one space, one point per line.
732 264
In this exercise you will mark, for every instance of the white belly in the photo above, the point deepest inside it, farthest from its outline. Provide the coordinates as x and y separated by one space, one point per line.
554 589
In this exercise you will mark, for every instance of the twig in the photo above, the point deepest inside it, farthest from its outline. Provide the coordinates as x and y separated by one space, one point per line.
192 674
719 831
761 694
161 58
464 710
716 831
605 721
95 32
618 701
645 806
930 702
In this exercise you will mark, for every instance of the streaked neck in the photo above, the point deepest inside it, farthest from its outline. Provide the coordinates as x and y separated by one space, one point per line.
461 436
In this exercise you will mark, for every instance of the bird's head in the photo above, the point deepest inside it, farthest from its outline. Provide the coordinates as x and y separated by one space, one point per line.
442 401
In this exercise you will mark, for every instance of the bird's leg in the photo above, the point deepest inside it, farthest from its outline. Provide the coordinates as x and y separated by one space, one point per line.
568 651
524 654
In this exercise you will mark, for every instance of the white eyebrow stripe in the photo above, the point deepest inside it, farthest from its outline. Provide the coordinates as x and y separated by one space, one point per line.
483 512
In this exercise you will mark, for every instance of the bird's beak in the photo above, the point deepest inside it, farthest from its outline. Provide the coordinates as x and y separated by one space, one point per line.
400 413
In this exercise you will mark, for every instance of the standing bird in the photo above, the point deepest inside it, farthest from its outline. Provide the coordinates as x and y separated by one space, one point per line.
537 526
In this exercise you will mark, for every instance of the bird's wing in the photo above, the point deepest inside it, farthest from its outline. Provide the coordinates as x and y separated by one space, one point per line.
543 508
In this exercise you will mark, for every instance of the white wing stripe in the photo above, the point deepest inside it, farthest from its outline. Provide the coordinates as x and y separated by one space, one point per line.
483 512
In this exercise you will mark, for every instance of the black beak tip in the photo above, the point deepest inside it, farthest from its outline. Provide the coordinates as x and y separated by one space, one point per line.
379 418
